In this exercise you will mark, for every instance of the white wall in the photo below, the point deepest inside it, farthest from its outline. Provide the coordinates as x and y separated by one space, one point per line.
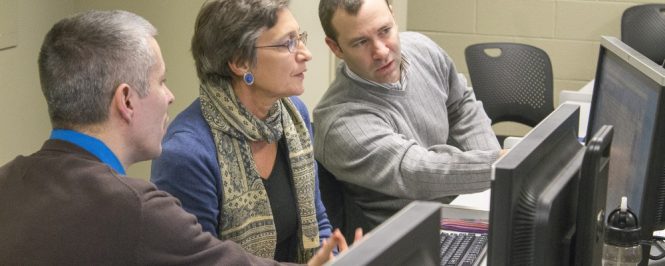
318 74
23 113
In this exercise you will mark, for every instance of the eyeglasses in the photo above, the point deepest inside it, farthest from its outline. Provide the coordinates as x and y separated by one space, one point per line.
290 44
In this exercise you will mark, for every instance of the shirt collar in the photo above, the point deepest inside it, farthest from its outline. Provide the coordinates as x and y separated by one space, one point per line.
90 144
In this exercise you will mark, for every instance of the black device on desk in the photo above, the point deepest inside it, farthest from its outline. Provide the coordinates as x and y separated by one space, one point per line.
628 94
533 205
464 249
591 215
410 237
548 197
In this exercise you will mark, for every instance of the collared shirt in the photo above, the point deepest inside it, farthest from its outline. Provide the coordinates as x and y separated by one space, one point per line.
399 86
90 144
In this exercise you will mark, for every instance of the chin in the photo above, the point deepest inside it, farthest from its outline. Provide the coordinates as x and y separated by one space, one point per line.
393 79
296 92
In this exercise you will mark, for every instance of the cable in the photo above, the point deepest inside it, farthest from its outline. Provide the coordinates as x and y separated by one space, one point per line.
656 241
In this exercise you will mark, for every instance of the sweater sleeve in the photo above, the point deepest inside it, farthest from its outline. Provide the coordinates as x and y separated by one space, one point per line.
188 170
325 228
361 148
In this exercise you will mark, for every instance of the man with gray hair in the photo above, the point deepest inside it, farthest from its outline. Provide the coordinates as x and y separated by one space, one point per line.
70 203
396 124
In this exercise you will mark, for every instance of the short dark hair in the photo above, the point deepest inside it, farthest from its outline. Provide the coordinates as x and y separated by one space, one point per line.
327 9
85 57
226 31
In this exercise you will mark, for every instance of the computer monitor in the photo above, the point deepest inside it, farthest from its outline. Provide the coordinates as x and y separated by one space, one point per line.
409 237
628 94
591 216
534 199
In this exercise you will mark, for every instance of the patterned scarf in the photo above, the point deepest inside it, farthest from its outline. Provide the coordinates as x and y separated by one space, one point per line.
246 214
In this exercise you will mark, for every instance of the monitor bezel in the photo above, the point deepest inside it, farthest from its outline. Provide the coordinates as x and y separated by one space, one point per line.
412 233
557 133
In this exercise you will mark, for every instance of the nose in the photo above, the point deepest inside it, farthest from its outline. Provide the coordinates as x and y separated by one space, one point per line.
303 53
169 96
379 50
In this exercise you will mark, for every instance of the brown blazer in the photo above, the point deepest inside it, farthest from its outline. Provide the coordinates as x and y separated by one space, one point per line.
62 206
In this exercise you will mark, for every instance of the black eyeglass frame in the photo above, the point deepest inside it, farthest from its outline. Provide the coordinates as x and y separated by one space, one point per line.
291 44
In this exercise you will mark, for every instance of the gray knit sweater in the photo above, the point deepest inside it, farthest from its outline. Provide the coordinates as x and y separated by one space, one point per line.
430 141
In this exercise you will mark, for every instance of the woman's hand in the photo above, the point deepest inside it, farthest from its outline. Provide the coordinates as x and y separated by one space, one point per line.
336 240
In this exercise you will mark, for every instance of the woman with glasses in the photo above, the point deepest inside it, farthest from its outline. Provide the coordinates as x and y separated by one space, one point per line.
240 156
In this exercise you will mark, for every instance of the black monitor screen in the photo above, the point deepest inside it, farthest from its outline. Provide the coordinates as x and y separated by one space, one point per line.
628 94
410 237
533 206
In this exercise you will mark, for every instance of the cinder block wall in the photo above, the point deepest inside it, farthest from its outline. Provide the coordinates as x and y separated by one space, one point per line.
568 30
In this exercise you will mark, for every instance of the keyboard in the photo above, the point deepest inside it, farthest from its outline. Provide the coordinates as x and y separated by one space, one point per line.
462 248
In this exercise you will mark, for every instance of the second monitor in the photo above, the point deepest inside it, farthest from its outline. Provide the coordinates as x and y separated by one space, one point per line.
629 94
535 201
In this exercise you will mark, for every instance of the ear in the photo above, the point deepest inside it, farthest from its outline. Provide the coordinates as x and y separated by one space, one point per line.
123 102
238 68
332 44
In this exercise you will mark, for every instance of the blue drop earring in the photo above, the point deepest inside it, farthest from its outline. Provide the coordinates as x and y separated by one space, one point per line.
248 78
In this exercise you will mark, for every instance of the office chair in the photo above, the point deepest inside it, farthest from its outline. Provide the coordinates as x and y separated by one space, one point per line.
342 211
643 29
514 85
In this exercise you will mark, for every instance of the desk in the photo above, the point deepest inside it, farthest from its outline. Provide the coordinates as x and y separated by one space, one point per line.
476 201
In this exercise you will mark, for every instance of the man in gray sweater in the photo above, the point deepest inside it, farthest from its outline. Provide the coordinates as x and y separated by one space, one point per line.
396 124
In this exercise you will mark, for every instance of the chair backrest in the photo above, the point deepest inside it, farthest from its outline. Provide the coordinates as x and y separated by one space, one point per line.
342 211
514 81
643 29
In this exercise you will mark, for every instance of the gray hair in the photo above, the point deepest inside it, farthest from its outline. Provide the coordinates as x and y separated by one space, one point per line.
327 9
85 57
226 32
